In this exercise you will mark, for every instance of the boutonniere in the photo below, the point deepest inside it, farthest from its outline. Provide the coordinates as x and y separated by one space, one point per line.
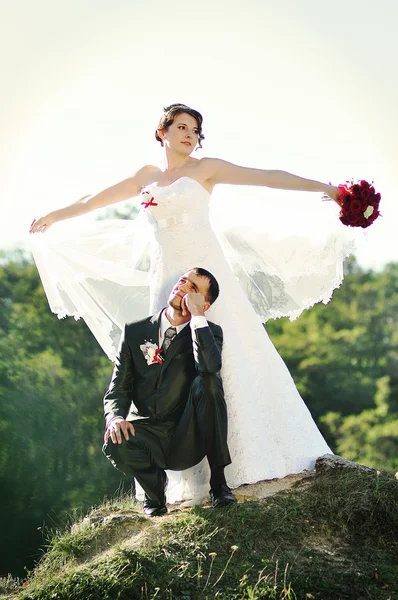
148 200
151 353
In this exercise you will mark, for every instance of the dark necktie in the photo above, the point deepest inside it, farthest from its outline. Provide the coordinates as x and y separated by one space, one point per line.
169 336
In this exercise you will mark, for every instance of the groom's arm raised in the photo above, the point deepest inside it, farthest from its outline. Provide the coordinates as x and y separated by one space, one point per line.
207 346
207 342
118 398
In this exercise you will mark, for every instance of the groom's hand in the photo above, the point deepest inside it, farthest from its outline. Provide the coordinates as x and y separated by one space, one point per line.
194 303
115 430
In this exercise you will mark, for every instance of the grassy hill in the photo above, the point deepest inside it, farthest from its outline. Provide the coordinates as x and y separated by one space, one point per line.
333 536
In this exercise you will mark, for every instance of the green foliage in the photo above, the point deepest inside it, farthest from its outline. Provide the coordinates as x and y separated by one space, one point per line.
339 353
372 435
52 380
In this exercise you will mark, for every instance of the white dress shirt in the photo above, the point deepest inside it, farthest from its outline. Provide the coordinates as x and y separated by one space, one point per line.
196 322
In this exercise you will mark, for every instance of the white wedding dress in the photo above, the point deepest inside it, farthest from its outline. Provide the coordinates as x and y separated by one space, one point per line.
116 271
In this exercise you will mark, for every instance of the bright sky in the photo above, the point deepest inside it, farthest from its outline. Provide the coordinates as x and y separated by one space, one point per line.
310 87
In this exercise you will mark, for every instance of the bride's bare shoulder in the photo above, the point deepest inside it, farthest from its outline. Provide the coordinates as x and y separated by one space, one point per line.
207 160
207 166
145 174
149 169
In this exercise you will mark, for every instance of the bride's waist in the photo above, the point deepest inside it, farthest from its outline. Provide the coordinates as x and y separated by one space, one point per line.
184 218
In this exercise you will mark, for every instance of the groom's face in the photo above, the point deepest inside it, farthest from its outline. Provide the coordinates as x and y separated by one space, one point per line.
189 282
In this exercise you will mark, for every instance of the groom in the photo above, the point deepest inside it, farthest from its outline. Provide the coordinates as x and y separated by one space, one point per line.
165 406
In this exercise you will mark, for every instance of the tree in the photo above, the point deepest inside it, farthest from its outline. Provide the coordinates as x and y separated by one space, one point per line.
52 380
370 437
337 352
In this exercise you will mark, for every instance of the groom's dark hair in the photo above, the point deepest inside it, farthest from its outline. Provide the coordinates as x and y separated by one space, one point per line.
214 288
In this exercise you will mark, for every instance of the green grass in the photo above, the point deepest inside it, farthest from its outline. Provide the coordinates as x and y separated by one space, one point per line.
9 585
336 538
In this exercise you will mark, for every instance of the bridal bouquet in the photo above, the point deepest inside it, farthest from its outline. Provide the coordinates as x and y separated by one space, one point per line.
359 204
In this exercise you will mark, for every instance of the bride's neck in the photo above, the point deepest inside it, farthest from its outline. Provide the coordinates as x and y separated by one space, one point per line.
174 162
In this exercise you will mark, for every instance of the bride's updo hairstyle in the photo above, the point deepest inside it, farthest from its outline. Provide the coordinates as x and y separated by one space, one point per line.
170 113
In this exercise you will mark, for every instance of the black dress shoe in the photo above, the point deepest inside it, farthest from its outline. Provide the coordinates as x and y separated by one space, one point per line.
154 509
221 495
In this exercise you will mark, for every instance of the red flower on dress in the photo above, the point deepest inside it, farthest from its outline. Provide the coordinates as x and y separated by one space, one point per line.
149 202
359 204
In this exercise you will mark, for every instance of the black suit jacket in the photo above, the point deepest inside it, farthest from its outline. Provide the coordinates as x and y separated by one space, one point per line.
160 391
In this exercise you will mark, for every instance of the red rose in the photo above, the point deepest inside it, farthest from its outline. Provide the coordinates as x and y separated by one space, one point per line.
355 189
365 194
374 200
354 219
355 206
346 202
373 216
344 219
364 184
365 224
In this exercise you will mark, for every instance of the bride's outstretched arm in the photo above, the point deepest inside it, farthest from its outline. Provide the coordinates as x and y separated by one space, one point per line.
124 190
221 171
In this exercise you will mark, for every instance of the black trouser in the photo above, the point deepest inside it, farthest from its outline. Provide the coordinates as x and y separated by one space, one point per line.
201 431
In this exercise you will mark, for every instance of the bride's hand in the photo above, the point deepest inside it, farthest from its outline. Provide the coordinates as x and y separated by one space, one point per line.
331 192
41 225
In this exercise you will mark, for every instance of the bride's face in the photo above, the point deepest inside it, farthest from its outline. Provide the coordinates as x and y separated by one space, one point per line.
182 135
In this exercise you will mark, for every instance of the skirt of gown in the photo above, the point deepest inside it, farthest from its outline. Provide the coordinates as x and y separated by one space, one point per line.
117 271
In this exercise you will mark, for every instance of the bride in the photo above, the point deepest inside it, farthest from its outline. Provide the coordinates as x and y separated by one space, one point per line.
116 271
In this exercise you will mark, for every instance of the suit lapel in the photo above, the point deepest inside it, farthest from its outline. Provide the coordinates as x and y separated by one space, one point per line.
153 328
151 334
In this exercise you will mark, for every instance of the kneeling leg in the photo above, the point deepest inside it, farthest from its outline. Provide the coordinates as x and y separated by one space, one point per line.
142 457
203 427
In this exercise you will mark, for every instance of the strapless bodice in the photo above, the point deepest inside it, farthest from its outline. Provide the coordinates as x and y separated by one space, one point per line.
182 202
